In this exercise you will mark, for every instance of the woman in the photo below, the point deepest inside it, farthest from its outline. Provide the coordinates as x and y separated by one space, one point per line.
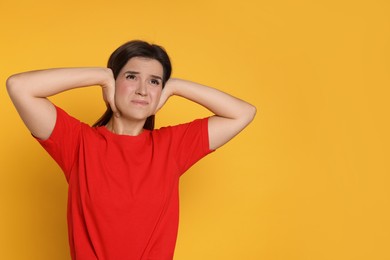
123 176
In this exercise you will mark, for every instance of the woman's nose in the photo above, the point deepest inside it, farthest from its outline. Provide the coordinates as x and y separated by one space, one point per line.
141 89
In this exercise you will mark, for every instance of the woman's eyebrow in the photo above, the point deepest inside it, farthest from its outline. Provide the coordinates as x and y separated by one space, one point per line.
156 77
132 72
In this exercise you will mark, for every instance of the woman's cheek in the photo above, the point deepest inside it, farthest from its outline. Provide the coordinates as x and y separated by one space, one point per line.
122 89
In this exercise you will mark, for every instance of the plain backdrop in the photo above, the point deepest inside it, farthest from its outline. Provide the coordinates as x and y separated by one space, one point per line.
308 179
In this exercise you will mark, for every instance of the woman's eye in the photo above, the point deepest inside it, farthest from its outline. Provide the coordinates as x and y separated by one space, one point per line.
130 76
155 82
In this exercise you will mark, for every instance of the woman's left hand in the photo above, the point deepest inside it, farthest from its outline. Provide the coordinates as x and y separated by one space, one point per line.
166 93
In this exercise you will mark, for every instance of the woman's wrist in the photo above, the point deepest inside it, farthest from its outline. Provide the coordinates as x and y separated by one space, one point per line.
173 86
104 76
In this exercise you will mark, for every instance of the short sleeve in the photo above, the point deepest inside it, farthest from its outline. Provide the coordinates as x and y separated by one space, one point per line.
192 142
63 143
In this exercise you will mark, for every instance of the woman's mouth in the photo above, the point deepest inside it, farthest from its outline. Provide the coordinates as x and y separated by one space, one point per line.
140 102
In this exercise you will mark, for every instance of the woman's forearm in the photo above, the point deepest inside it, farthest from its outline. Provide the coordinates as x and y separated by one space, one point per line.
218 102
232 114
45 83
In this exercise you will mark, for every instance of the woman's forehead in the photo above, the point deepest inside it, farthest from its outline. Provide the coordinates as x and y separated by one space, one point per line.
144 65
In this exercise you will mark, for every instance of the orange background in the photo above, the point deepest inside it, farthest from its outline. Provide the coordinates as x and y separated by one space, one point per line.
308 179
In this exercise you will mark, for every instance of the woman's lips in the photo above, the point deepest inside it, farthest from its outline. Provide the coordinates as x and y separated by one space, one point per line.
140 102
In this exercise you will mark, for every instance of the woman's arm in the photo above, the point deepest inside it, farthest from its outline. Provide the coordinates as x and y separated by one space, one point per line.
232 115
29 92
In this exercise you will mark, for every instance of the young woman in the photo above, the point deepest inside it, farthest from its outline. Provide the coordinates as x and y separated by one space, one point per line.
123 175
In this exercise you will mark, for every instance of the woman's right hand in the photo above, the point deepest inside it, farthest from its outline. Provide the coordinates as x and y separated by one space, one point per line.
108 89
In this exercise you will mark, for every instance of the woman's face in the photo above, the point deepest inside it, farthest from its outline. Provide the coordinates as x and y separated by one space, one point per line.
138 88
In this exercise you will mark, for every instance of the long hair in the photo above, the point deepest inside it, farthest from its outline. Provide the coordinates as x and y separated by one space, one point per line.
122 55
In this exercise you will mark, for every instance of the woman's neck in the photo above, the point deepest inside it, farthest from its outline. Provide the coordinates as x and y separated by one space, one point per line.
120 126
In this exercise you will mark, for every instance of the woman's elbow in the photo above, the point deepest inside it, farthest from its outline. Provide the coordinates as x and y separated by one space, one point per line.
12 83
250 113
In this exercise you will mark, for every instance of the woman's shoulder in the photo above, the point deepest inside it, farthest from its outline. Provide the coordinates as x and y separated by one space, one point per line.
182 129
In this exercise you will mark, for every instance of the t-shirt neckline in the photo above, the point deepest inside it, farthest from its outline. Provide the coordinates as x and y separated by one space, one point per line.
107 132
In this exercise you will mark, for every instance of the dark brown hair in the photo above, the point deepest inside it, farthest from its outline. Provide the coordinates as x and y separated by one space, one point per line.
122 55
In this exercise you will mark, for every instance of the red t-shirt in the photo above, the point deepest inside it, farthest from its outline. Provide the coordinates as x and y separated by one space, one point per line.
123 190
